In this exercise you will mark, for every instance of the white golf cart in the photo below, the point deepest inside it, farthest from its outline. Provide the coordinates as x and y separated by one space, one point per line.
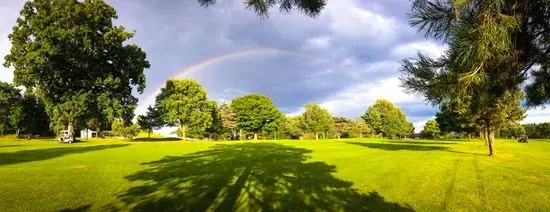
65 137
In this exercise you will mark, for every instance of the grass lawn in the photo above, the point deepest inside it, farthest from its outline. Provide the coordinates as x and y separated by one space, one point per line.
337 175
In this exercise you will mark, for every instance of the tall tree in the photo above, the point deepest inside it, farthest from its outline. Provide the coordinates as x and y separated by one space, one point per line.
342 126
81 63
431 129
10 107
386 118
261 7
291 126
316 119
493 47
216 127
360 127
455 116
229 120
255 112
183 103
150 121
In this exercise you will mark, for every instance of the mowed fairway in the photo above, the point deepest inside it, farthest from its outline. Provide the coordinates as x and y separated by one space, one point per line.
336 175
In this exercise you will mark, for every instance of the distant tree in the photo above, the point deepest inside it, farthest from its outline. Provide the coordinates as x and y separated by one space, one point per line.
290 126
512 131
261 7
431 129
183 103
33 118
316 119
10 107
82 63
150 121
360 127
216 127
342 126
387 119
255 112
124 130
229 121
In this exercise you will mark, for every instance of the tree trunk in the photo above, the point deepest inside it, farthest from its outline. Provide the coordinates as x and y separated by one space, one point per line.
469 136
372 134
70 128
17 133
149 135
255 136
183 131
316 136
29 136
240 134
491 141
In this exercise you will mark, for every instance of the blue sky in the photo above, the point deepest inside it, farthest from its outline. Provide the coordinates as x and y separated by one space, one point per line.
353 47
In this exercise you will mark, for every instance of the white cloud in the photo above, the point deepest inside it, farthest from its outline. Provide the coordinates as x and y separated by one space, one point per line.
318 42
537 115
429 48
354 100
349 19
6 74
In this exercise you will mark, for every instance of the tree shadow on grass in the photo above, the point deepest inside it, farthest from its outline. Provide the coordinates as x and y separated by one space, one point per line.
391 146
421 142
9 146
396 147
23 156
83 208
156 139
245 177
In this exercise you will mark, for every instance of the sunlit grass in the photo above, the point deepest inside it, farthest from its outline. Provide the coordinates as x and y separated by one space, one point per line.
41 175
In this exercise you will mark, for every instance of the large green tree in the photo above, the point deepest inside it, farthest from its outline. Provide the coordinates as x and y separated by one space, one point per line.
455 116
255 113
33 118
431 129
183 103
316 119
386 118
10 107
80 62
228 120
494 47
341 126
262 7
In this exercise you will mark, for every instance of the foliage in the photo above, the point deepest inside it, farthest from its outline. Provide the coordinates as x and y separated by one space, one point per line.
316 119
183 103
493 49
33 119
216 128
10 107
78 61
291 127
309 7
150 121
455 116
540 130
386 118
127 131
229 121
342 127
512 131
256 112
359 128
431 129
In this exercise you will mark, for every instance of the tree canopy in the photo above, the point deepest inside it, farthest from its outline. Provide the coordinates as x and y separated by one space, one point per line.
431 129
256 112
316 119
183 103
494 47
386 118
10 106
79 62
150 121
261 7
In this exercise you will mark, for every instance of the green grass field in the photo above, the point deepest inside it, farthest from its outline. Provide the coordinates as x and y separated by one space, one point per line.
338 175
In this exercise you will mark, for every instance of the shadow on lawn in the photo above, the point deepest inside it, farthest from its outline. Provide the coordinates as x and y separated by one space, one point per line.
9 146
421 142
392 146
245 177
22 156
83 208
156 139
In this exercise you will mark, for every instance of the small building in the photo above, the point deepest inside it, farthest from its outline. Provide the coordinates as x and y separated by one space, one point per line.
87 133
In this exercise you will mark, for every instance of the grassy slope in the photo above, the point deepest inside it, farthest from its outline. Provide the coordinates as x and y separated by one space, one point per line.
284 175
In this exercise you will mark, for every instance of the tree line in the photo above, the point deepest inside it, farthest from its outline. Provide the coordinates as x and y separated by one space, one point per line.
183 103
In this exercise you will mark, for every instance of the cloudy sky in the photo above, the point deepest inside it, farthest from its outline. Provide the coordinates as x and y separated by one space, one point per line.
344 59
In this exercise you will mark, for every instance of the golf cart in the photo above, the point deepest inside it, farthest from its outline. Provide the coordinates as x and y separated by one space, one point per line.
65 137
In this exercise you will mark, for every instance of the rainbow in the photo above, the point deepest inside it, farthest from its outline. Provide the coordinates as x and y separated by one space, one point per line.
149 100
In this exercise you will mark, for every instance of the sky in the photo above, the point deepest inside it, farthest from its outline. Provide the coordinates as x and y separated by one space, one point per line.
344 59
